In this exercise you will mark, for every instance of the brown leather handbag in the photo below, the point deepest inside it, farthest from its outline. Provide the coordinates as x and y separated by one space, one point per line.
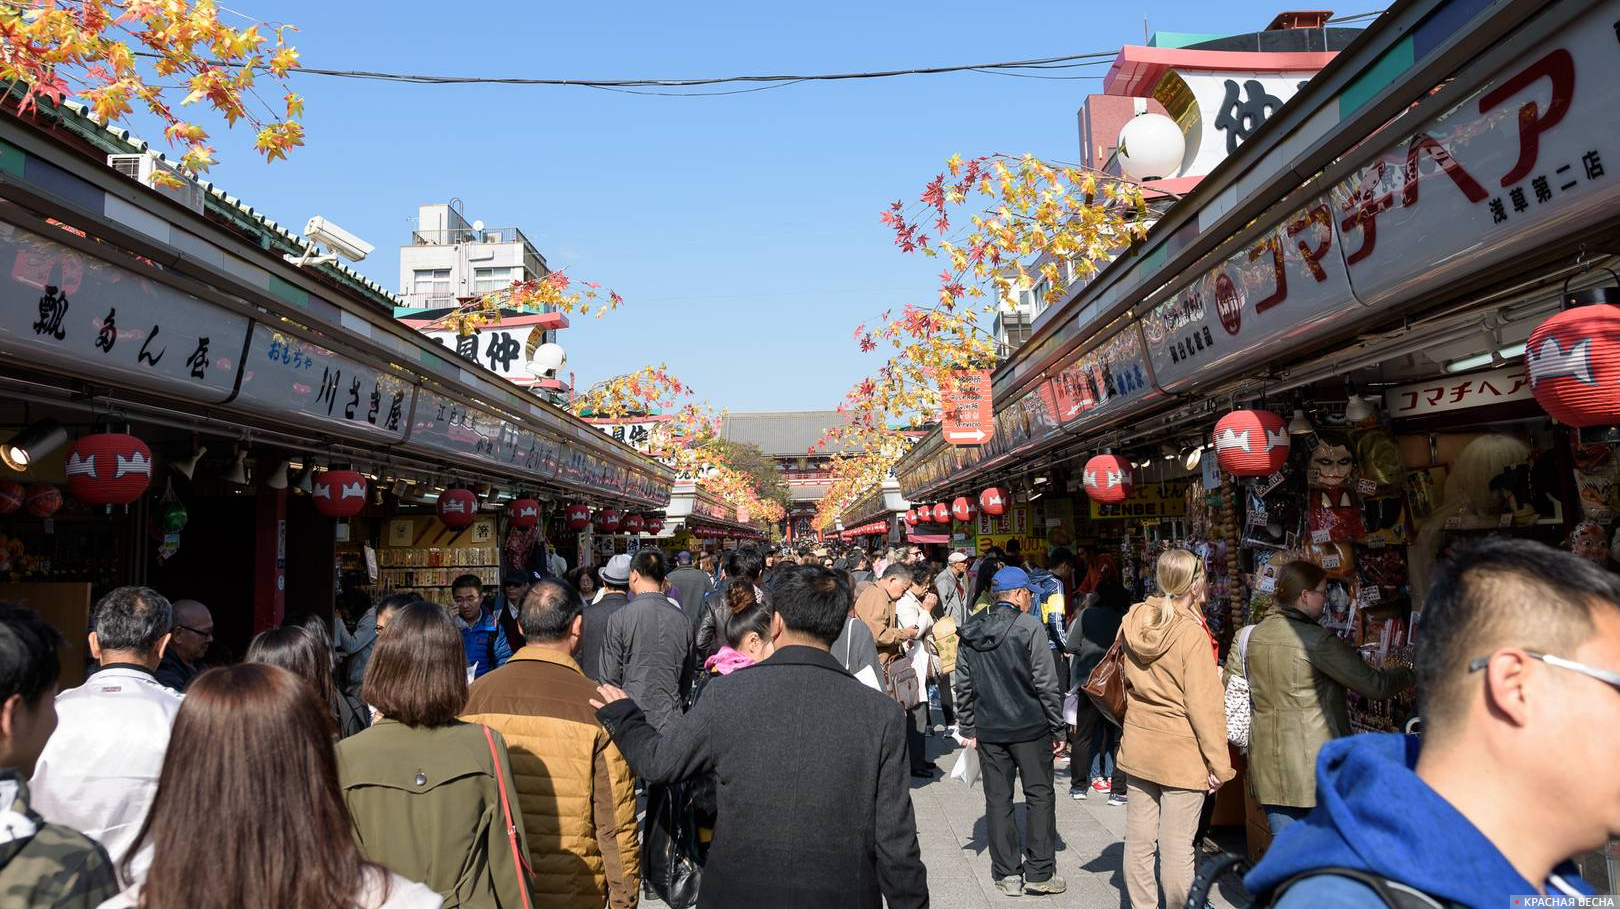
1106 685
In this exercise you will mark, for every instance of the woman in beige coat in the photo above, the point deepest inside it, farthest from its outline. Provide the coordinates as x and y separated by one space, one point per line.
1174 747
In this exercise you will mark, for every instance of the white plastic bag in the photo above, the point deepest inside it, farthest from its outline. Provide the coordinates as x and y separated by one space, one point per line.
966 767
1071 708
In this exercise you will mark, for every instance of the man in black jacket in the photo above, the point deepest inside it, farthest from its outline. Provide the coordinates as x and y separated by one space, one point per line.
799 827
1010 709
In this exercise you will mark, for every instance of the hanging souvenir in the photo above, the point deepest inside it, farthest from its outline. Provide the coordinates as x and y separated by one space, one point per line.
12 495
43 500
1334 508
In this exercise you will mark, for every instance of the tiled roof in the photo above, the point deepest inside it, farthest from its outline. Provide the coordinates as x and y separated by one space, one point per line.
781 434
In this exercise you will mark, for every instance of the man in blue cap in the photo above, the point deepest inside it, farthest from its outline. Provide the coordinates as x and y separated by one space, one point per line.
1009 707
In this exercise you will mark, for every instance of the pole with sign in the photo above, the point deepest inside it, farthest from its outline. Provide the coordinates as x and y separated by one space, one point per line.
969 413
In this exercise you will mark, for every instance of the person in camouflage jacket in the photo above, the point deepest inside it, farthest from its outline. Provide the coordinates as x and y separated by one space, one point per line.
41 864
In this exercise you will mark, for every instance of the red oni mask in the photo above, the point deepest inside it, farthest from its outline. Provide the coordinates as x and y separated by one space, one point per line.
458 507
1107 479
994 500
1252 443
1573 361
339 493
1590 542
523 513
109 468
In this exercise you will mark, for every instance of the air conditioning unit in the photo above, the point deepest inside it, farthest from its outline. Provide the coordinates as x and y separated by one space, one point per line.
141 167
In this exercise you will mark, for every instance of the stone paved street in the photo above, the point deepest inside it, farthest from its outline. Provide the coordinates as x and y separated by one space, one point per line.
950 824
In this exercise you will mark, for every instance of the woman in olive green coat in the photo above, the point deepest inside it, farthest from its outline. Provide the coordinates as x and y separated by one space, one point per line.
421 785
1298 672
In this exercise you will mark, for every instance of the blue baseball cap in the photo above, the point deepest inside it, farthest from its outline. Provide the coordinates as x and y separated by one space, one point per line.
1011 578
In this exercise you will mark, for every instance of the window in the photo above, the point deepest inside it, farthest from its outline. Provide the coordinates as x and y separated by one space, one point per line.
487 280
432 282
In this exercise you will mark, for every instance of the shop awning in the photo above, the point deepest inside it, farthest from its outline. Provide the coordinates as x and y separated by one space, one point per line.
943 539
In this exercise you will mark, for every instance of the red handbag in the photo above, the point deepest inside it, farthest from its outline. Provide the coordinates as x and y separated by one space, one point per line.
519 859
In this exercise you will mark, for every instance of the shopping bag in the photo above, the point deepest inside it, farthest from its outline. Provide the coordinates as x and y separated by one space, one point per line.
672 851
1071 708
966 767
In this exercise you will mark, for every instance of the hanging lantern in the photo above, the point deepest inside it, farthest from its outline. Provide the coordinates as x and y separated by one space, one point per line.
634 524
942 513
655 525
910 518
963 509
1107 479
108 468
994 501
577 517
1573 359
43 500
523 513
458 507
609 520
339 493
1252 443
12 495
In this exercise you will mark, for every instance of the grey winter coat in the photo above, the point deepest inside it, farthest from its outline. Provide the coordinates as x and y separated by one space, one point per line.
648 653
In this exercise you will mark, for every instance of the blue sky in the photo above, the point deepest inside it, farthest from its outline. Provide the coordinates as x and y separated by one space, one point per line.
742 231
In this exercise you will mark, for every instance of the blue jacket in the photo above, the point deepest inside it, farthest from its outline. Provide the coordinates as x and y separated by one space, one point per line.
1051 607
1373 813
485 641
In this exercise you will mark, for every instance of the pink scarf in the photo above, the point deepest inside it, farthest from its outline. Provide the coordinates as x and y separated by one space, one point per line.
726 661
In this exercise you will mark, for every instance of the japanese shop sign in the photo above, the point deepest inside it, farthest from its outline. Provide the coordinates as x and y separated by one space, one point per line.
1105 378
1518 163
1285 285
500 350
969 417
1149 501
285 374
1459 392
89 317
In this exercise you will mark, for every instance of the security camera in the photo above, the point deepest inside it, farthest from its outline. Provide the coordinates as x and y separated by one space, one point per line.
339 240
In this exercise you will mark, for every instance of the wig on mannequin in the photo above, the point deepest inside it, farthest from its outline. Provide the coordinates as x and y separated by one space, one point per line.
1473 487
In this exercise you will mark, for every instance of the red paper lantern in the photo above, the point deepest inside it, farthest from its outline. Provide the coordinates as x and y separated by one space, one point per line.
1107 479
609 520
942 513
458 507
910 518
963 509
655 525
577 517
523 513
12 495
1252 443
43 500
341 493
108 468
634 524
994 501
1573 360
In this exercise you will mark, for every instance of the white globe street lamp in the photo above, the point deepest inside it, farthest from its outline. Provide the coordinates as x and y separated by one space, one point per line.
1151 147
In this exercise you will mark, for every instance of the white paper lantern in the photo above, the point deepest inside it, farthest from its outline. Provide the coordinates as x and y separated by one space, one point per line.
1151 147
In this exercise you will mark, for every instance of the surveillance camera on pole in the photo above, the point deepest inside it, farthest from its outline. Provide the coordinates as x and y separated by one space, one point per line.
320 231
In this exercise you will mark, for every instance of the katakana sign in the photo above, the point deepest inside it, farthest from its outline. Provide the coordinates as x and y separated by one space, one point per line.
1459 392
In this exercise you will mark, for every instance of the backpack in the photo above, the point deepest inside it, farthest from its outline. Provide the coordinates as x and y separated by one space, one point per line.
1393 894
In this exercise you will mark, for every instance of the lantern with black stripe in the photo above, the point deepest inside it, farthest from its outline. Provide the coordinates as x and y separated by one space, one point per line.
1107 479
1252 443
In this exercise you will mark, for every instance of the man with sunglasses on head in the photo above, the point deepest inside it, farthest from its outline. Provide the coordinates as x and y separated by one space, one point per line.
1518 669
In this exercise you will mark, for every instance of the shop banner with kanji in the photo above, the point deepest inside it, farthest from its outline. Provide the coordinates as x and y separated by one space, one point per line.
969 415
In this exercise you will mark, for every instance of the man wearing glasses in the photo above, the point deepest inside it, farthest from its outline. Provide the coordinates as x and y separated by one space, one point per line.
1518 670
188 642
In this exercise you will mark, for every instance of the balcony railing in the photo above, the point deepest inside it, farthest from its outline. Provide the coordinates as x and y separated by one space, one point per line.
470 235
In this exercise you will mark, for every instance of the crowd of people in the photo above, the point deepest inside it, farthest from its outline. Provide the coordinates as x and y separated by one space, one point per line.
494 754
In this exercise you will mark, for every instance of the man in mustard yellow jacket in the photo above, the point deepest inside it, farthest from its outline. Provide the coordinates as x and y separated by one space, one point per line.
576 791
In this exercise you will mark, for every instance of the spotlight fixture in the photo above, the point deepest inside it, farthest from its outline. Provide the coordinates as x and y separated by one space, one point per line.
1300 425
33 443
237 475
188 466
278 477
1192 457
305 481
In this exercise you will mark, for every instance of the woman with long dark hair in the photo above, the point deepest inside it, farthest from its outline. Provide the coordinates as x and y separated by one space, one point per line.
982 597
296 649
425 789
248 811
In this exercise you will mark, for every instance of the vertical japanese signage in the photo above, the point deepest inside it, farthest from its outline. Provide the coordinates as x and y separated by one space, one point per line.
90 317
967 400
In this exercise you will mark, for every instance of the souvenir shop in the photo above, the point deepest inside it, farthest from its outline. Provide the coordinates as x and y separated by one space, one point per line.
182 407
1412 347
